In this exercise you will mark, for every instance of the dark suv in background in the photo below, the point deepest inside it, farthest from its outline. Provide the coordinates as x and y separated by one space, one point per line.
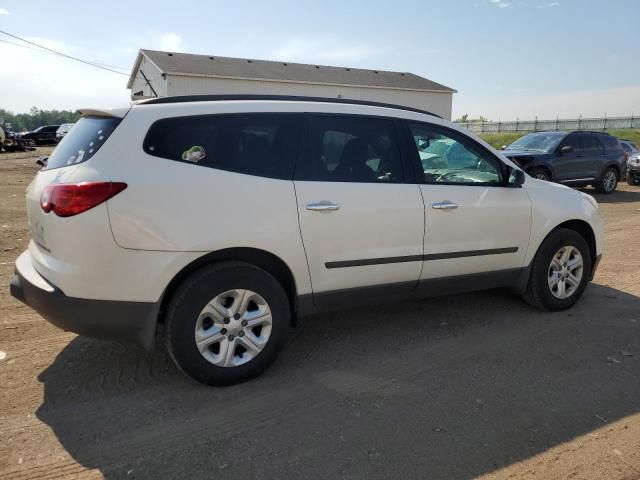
576 159
45 135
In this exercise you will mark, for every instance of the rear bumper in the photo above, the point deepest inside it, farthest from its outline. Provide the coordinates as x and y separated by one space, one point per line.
126 321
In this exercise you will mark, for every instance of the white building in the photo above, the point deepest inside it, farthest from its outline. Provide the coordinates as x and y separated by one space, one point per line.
162 74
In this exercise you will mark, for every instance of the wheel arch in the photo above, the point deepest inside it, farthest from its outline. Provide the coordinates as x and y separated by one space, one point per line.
585 231
616 167
254 256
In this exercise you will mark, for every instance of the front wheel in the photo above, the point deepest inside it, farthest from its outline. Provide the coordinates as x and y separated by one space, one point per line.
227 323
608 182
540 174
560 271
630 179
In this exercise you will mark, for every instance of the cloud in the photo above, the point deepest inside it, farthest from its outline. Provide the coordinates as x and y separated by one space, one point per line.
48 81
549 5
4 11
500 3
171 42
322 50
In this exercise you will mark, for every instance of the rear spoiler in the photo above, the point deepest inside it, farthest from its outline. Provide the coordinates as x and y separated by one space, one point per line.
104 112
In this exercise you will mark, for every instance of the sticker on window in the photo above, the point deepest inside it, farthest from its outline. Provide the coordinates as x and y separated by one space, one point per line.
194 154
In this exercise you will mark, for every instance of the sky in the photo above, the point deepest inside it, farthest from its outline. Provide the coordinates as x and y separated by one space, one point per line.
507 59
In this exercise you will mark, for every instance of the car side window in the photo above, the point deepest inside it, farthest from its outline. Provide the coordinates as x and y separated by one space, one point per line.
572 141
590 144
626 147
345 148
446 157
255 144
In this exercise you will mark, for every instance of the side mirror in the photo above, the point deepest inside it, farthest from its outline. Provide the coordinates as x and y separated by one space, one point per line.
516 178
566 149
42 161
503 147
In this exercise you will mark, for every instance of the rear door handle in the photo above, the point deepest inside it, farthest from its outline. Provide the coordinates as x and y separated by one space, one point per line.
444 205
323 206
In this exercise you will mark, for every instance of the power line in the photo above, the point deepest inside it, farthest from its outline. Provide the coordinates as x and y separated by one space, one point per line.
15 44
87 62
22 46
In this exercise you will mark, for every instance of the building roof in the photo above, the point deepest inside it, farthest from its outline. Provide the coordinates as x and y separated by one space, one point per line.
241 68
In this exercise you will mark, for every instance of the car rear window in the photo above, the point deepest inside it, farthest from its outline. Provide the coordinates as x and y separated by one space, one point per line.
262 144
82 142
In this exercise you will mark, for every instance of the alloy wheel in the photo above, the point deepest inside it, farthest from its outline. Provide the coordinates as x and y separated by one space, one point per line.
565 272
609 181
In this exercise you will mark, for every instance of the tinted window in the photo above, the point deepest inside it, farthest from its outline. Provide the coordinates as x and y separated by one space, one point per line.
81 143
626 147
590 144
609 142
351 149
50 129
573 141
447 157
254 144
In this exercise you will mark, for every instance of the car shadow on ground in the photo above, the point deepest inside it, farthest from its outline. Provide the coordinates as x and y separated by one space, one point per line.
450 387
619 196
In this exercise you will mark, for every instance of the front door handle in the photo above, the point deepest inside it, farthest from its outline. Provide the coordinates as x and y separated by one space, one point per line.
444 205
323 206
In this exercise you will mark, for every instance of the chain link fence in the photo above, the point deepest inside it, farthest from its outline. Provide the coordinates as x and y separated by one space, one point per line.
536 125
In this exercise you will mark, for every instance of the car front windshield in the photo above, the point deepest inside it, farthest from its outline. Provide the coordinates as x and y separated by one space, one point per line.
541 142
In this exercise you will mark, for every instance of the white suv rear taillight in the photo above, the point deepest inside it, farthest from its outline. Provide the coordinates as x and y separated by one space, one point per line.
68 199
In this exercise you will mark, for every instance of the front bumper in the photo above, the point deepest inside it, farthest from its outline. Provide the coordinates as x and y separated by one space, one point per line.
594 267
126 321
634 170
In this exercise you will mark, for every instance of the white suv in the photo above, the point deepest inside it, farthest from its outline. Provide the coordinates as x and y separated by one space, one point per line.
226 218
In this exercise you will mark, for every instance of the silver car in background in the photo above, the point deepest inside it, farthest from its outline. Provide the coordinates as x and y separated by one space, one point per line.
63 130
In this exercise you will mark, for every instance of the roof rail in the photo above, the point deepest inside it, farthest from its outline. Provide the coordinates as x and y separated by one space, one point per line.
288 98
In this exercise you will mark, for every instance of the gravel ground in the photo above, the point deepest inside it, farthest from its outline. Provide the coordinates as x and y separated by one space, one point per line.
475 385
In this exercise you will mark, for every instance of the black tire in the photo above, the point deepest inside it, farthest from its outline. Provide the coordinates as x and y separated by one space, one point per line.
538 293
540 174
602 185
199 289
630 179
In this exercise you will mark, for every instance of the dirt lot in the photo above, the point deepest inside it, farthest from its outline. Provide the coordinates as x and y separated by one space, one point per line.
455 387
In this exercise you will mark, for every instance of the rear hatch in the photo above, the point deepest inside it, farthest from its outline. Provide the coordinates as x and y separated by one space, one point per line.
65 166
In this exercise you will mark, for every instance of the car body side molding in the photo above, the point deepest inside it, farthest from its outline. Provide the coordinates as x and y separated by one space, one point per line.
419 258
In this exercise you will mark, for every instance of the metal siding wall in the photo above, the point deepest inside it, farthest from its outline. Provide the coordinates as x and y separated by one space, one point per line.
439 103
155 78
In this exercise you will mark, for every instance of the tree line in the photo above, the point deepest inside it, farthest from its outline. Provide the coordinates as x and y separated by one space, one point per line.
36 117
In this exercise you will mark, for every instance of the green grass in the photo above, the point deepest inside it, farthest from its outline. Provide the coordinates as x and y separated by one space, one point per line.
498 139
630 134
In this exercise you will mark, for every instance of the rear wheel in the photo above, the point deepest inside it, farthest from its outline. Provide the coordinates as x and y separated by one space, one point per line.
608 182
227 323
560 271
540 174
